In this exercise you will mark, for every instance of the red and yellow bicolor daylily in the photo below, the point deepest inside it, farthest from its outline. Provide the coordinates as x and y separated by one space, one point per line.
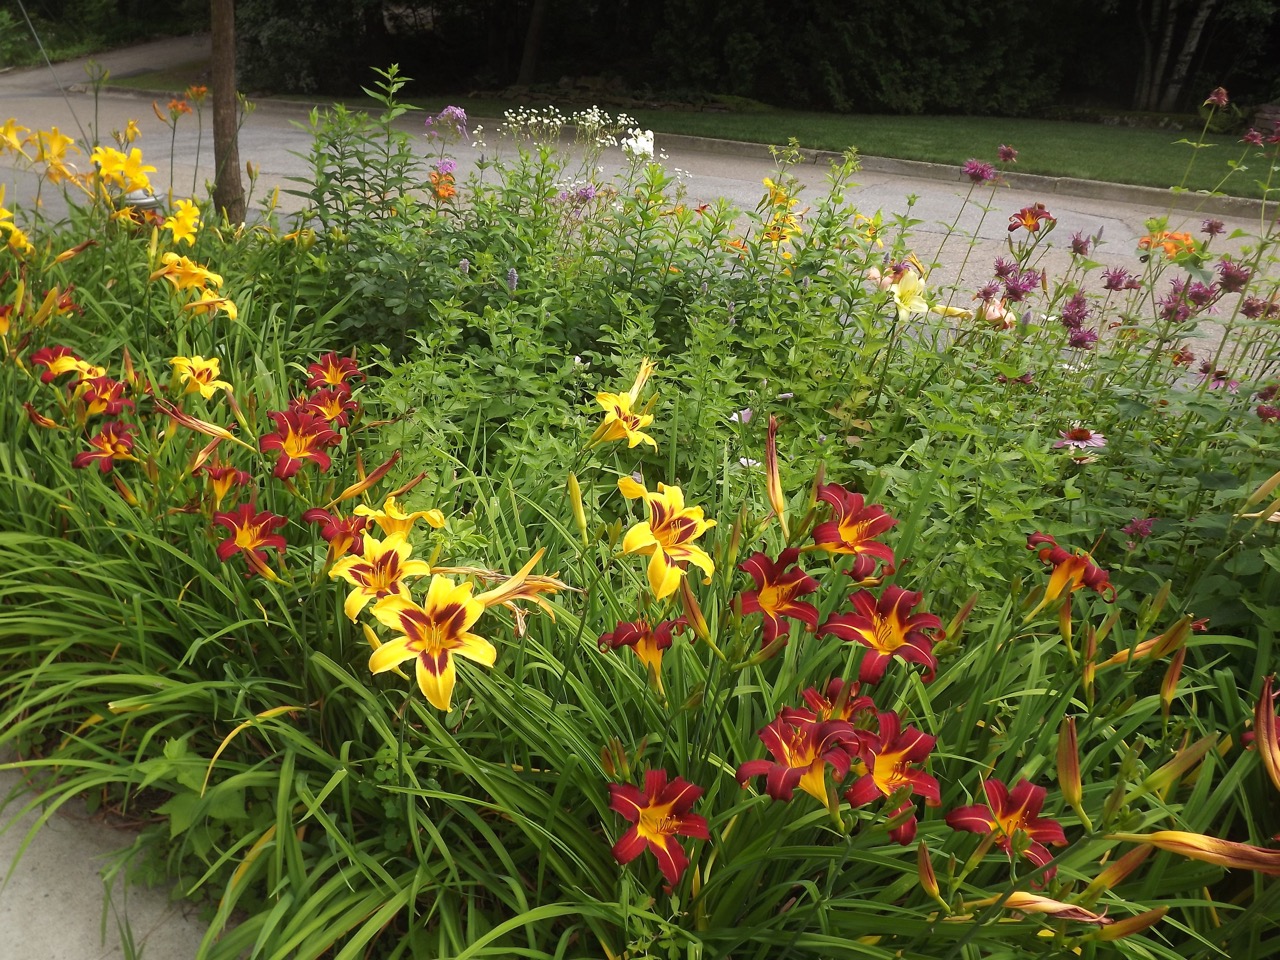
886 761
298 437
667 536
777 592
379 571
801 746
1014 817
433 634
887 628
657 815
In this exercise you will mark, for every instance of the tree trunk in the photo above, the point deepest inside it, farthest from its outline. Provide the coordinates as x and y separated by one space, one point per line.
1182 66
532 40
228 189
1155 81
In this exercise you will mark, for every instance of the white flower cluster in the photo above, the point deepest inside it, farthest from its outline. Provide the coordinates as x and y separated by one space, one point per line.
639 145
541 125
600 128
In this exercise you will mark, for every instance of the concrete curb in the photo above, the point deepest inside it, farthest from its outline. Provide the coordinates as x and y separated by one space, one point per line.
1153 197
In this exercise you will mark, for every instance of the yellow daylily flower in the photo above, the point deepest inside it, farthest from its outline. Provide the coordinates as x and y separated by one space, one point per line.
13 136
394 520
621 421
667 536
197 373
908 295
209 301
378 572
185 275
184 222
433 634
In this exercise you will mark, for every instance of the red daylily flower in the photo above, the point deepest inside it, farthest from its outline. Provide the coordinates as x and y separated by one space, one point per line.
1266 735
776 592
1016 818
1071 571
1031 218
251 534
102 395
840 701
298 437
46 357
221 479
113 442
343 534
334 404
853 526
887 629
647 642
885 762
657 815
332 370
802 746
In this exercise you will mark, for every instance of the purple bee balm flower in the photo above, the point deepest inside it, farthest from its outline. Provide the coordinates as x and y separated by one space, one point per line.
1252 137
1212 227
1080 244
1006 153
1253 307
977 171
990 292
1005 268
1080 437
1218 98
1267 394
1139 528
1233 276
1200 295
1017 287
1268 413
1075 311
1173 308
1082 339
447 166
1115 278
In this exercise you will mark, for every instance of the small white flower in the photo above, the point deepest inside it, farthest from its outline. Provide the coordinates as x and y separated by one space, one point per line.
748 462
639 145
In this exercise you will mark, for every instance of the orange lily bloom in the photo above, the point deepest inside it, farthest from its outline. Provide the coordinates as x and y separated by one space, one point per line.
378 571
657 814
773 482
1031 218
667 536
103 395
343 534
433 635
1173 244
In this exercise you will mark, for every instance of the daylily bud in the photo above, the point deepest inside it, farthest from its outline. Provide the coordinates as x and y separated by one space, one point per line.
251 170
125 493
75 251
1157 647
575 501
1197 846
1130 925
924 868
1169 686
957 622
361 486
773 483
1069 770
1034 903
692 611
1165 776
1090 668
1265 736
1115 874
1264 491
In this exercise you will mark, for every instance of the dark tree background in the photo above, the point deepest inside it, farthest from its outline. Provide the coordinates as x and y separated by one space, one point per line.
1006 57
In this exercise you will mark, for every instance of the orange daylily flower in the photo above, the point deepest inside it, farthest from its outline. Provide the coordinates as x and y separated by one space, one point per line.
1173 244
298 437
667 536
1071 571
887 628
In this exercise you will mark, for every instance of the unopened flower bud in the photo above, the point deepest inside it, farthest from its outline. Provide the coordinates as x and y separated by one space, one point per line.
579 514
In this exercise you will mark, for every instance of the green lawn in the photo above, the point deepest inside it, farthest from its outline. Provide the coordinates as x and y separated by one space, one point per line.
1147 157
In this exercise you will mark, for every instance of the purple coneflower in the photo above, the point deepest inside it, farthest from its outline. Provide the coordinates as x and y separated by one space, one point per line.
1080 437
